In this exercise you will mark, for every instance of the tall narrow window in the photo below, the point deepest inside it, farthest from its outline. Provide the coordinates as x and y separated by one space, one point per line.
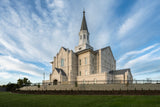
80 73
62 62
85 60
79 62
83 81
80 36
95 80
85 72
84 36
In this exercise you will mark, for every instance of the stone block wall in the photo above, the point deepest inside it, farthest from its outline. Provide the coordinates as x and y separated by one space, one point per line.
95 87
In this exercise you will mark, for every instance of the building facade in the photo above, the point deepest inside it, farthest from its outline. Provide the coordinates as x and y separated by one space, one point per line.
86 65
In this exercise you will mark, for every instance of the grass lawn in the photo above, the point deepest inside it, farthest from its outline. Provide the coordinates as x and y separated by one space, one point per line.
21 100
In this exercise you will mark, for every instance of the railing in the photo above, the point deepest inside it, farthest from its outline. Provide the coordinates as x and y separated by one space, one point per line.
100 82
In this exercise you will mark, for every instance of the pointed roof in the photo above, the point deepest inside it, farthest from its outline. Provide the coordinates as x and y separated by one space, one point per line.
84 24
118 72
60 71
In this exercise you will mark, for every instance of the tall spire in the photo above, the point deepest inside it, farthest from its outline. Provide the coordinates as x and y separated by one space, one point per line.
84 24
83 36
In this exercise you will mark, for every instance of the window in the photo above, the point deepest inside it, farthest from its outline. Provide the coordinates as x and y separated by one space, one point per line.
79 62
85 60
85 72
62 62
95 80
84 36
80 73
80 36
83 81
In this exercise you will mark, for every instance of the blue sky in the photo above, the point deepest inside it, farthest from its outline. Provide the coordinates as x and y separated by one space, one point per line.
32 32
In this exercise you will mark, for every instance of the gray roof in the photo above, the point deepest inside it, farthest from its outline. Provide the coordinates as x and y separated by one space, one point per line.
64 48
84 24
118 72
60 70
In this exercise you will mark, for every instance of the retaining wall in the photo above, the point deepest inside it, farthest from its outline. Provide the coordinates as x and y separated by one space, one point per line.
95 87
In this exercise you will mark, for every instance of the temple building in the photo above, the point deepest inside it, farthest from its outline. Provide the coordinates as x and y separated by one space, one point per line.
86 65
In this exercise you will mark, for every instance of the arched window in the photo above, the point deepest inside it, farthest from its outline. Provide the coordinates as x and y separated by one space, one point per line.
84 36
62 62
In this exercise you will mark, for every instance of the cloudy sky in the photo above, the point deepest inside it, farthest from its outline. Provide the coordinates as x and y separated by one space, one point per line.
32 32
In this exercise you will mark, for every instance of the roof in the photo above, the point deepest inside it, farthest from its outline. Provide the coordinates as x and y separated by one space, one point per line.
84 24
60 70
104 49
118 72
64 48
86 50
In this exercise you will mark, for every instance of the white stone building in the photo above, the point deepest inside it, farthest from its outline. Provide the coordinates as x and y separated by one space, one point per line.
86 65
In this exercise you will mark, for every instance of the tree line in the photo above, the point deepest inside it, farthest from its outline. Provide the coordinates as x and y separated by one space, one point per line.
20 83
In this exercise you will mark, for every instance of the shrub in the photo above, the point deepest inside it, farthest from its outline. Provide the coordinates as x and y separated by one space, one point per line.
76 84
38 85
11 87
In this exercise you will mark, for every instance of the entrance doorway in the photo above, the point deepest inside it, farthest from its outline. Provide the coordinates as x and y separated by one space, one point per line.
55 82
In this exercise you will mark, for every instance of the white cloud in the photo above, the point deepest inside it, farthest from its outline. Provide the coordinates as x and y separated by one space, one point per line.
143 59
147 71
102 40
134 53
6 75
130 23
9 63
35 34
136 16
28 36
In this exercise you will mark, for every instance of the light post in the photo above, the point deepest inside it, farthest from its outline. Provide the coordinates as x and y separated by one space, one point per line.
44 80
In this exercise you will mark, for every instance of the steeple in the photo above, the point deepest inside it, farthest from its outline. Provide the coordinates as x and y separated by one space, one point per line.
84 24
83 36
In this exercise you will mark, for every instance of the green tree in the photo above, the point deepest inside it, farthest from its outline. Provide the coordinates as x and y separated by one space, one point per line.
11 86
23 82
20 83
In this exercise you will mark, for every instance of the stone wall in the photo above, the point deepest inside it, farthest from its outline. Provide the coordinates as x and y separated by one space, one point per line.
95 87
92 78
83 67
69 67
73 69
108 62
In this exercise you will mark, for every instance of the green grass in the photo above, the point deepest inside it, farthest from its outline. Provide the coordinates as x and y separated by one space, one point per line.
21 100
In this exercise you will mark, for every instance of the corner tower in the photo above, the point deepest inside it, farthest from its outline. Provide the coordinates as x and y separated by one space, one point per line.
83 36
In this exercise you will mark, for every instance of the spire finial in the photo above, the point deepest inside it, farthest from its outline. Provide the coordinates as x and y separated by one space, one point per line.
84 24
83 11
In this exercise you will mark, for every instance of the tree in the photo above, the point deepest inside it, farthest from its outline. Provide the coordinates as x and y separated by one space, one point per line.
26 82
23 82
11 86
20 83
